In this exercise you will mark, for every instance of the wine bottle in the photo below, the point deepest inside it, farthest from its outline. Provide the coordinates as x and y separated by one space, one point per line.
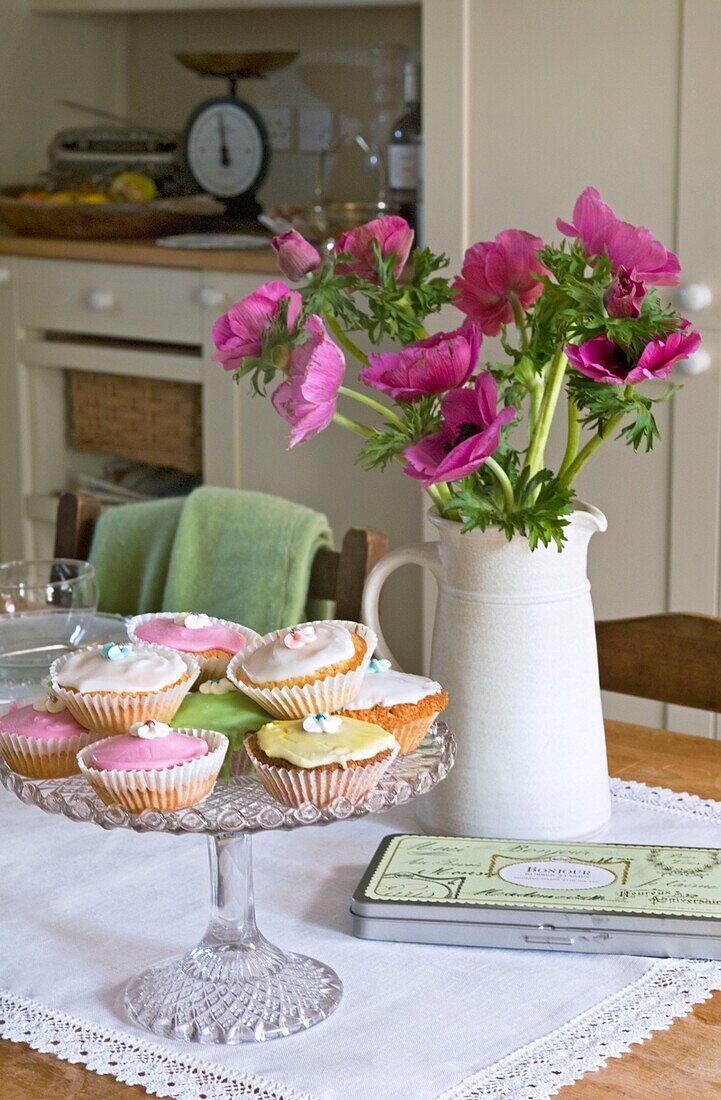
405 154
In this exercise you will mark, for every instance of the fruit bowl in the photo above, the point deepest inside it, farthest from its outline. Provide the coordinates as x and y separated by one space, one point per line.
86 220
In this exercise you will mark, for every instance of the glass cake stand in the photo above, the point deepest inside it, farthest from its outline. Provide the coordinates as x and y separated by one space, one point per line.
235 986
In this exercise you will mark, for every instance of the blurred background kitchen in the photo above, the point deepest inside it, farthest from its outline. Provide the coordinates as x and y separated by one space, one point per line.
483 113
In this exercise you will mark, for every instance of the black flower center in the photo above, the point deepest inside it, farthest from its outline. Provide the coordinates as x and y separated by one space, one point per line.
465 431
622 360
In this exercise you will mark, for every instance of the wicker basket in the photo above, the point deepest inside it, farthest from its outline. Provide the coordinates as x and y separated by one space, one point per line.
141 419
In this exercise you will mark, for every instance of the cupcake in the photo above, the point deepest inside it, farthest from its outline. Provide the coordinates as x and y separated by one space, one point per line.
43 740
218 705
153 767
109 687
314 668
405 705
320 758
211 641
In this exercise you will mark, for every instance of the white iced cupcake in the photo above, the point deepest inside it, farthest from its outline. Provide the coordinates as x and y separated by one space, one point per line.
320 758
211 641
109 687
311 668
153 767
404 704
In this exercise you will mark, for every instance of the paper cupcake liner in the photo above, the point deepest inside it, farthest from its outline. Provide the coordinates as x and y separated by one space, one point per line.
44 758
212 667
319 786
113 712
326 696
410 734
164 790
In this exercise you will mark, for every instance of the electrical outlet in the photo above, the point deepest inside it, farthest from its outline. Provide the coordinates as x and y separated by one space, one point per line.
279 124
315 128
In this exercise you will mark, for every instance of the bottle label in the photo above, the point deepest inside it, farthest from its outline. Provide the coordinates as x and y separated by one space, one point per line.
404 167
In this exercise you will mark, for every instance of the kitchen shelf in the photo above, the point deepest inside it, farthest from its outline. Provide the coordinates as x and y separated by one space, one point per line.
128 7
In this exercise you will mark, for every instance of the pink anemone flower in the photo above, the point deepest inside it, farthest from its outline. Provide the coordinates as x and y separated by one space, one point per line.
604 361
494 272
307 397
470 433
238 334
441 362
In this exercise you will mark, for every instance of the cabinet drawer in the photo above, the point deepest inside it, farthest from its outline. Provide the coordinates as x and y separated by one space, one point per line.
145 303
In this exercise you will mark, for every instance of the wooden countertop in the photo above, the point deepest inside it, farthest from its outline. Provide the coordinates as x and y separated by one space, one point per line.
261 261
681 1063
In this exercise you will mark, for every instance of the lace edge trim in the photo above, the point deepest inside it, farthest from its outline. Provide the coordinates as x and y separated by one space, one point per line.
665 800
133 1061
666 992
669 989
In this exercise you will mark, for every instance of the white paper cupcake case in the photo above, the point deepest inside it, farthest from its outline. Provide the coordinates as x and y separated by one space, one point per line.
211 668
326 696
164 790
298 786
44 758
112 712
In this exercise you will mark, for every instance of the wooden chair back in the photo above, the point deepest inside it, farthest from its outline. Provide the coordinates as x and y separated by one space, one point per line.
337 575
673 658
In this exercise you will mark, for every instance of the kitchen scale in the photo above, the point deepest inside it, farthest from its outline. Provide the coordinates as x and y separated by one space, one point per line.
226 144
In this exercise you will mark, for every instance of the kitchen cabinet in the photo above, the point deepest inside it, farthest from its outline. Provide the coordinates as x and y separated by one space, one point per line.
152 320
71 7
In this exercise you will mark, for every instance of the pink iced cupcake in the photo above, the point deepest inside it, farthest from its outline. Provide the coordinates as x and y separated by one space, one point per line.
154 767
43 740
211 641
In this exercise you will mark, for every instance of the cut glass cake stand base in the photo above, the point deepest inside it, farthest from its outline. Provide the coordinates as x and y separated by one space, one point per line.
235 986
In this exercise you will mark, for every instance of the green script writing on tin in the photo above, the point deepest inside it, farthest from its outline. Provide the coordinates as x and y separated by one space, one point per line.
523 874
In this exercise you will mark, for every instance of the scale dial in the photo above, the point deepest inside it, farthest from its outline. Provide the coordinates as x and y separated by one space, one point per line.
226 148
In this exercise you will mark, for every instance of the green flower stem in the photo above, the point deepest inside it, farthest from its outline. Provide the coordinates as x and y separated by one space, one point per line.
503 480
520 318
388 414
552 390
436 497
352 425
536 391
343 339
567 478
573 438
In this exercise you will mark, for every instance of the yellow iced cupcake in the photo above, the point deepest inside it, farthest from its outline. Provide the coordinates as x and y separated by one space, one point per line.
320 758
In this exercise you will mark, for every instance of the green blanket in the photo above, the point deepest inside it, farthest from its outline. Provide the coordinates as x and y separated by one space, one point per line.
239 555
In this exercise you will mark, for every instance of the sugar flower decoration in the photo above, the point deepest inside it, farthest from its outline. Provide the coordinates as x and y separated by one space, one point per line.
115 652
379 664
49 703
216 687
322 723
150 730
193 620
298 637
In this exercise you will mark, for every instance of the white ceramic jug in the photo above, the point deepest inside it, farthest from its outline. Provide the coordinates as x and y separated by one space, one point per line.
515 647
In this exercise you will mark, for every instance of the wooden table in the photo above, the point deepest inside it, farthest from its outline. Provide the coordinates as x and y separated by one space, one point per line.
683 1063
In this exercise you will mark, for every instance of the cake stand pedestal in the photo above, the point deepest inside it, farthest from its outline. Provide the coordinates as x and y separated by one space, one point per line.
235 986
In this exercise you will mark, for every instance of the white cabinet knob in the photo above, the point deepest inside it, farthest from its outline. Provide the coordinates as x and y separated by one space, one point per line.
698 362
101 300
210 297
4 274
695 296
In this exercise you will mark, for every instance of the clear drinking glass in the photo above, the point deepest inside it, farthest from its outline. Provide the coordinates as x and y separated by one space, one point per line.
46 608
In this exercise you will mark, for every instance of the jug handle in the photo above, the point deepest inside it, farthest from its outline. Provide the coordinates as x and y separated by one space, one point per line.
421 553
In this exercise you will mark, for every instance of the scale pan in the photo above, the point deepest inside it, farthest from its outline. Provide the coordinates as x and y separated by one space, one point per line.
240 65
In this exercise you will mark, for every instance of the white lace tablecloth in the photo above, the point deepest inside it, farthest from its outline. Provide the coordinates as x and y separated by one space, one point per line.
81 910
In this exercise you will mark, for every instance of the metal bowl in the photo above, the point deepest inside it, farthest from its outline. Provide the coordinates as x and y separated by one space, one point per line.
248 65
324 223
